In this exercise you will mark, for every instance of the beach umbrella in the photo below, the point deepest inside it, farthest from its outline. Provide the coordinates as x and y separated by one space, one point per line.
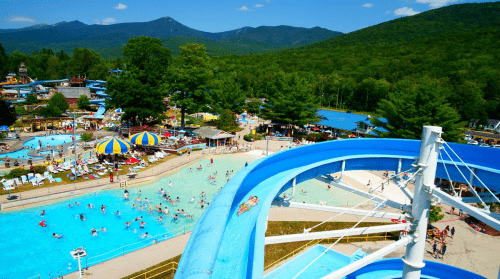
328 131
113 146
167 134
145 138
4 128
182 131
172 138
132 160
315 128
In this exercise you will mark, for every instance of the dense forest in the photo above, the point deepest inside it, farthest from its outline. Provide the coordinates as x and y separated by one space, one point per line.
455 47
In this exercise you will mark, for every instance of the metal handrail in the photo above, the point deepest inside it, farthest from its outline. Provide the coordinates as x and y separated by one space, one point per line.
155 239
36 276
317 241
146 272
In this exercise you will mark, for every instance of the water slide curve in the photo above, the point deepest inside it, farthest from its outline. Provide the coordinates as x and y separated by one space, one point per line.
225 245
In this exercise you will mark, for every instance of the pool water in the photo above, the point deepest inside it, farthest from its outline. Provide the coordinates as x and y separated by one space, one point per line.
326 264
30 249
35 143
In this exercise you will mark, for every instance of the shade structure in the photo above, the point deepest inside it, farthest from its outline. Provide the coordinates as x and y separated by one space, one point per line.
4 128
132 160
182 131
328 131
113 146
172 138
145 138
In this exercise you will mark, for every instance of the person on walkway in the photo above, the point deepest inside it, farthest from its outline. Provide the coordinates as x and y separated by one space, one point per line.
434 248
452 232
443 250
452 211
111 177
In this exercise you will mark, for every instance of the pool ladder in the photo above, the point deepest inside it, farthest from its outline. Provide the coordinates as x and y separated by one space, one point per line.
60 275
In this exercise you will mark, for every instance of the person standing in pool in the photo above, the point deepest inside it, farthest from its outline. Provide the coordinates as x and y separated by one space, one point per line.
127 224
81 217
42 213
94 232
142 224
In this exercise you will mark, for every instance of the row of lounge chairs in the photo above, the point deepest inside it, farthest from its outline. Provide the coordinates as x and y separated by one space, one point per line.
35 179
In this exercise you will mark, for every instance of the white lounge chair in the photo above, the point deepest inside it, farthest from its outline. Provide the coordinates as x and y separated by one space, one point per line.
31 176
106 162
52 170
17 182
51 179
34 182
39 177
24 179
46 174
85 168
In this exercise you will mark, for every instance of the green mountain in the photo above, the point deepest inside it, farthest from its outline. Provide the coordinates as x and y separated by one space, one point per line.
109 38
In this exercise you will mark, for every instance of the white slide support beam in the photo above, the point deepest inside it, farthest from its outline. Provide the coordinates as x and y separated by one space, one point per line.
348 269
488 218
338 209
331 234
368 195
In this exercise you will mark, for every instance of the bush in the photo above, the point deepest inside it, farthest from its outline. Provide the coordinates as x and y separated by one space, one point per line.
51 111
86 137
250 137
17 172
31 99
59 101
40 169
435 215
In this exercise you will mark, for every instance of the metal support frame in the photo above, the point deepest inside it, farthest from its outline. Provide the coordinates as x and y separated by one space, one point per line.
488 218
476 199
400 163
348 269
338 209
390 203
424 184
330 234
294 183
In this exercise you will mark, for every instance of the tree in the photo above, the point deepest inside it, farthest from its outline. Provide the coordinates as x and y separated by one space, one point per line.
226 93
227 121
83 60
31 99
8 114
51 111
59 101
292 101
137 91
253 106
83 102
4 64
407 111
188 81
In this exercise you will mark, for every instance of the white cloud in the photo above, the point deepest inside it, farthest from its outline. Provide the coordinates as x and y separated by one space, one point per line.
436 3
244 8
23 19
120 6
105 21
388 12
405 11
259 6
367 5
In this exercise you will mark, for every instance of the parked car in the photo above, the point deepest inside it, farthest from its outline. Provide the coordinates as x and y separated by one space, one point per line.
468 137
484 144
472 142
480 140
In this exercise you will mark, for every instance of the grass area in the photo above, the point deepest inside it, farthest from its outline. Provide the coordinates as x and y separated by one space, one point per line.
277 251
123 170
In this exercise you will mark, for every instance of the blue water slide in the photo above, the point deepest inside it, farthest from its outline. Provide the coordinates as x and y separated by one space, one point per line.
100 111
101 93
94 87
225 245
96 81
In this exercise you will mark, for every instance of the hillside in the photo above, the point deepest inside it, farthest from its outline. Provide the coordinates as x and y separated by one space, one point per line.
68 35
460 17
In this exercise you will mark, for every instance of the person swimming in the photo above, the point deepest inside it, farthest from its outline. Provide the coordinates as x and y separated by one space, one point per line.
183 212
55 235
190 170
303 192
140 207
150 208
139 193
190 216
145 235
127 224
192 200
126 195
176 217
138 218
89 206
103 229
94 232
103 209
117 213
165 211
252 201
70 206
77 204
42 213
159 219
138 199
82 217
199 168
170 184
178 199
142 224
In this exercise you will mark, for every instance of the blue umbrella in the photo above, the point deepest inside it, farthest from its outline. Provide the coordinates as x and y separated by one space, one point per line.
328 131
182 131
4 128
172 138
145 138
113 146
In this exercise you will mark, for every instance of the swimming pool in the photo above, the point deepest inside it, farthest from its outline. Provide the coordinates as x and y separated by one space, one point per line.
32 249
35 143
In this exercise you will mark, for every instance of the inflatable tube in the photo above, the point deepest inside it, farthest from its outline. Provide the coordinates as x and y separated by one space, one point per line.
43 223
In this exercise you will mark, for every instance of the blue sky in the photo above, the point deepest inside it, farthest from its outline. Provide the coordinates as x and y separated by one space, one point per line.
216 16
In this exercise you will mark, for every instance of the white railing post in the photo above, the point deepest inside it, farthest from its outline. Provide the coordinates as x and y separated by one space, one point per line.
424 184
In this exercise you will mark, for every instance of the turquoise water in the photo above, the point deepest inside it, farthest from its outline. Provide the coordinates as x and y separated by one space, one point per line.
326 264
32 250
35 142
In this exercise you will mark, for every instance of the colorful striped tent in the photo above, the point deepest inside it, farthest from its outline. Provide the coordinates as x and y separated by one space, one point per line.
145 138
113 146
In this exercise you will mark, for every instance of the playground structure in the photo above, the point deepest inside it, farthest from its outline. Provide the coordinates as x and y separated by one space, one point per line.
225 245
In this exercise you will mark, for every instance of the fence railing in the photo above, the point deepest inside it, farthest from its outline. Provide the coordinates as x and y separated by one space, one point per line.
327 240
125 249
171 267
